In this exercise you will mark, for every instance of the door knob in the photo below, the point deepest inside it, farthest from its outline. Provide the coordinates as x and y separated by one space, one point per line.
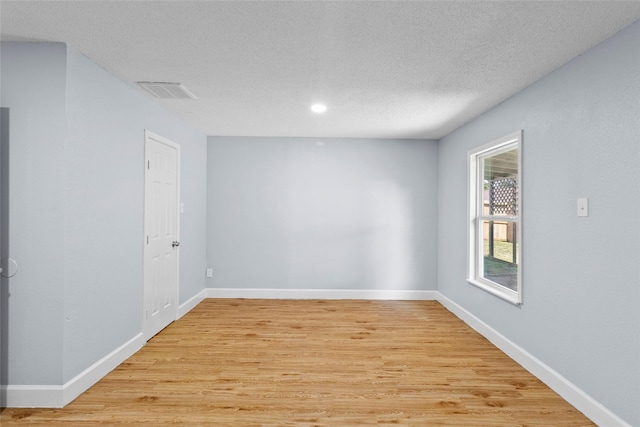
175 243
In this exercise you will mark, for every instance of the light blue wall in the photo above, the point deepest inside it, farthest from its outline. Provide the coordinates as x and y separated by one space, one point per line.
581 311
106 120
77 141
288 213
33 87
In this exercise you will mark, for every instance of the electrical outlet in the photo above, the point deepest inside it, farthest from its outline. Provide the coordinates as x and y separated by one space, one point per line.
209 272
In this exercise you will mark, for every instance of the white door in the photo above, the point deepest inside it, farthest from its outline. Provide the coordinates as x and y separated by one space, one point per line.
161 244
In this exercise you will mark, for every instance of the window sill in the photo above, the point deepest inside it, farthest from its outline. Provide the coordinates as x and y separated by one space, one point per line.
497 290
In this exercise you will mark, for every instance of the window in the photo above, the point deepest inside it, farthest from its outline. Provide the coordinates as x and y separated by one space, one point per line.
495 209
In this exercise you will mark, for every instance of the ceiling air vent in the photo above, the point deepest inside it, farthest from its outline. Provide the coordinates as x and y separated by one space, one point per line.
167 90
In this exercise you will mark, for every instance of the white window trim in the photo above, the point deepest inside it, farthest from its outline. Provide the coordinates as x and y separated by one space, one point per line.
474 243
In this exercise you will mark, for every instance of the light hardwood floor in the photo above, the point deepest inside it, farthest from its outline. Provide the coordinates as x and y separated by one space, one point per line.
308 363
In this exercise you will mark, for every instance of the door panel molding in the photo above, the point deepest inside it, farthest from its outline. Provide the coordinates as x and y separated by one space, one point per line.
161 233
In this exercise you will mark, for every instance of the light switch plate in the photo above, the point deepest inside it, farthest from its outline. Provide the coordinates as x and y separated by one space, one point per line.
583 206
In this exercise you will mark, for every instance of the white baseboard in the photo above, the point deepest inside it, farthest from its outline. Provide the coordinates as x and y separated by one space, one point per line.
81 382
586 404
188 305
362 294
52 396
32 396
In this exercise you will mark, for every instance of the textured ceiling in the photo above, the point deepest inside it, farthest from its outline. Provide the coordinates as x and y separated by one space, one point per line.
385 69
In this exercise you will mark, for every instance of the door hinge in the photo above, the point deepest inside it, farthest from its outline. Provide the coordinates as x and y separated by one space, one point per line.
148 164
147 240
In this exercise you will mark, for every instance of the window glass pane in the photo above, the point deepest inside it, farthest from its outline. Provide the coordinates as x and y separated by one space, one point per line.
500 253
500 184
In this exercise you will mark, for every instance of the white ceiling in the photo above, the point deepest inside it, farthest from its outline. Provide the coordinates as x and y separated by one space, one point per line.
385 69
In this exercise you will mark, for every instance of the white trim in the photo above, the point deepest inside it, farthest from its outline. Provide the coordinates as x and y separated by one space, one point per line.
363 294
81 382
33 396
505 293
188 305
56 396
586 404
476 216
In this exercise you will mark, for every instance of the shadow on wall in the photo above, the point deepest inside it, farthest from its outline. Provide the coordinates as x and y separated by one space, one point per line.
348 226
4 253
390 251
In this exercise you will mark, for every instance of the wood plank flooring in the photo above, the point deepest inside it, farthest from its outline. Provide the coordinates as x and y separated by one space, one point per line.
315 363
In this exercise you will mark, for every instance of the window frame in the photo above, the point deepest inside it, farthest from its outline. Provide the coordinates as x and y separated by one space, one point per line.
476 216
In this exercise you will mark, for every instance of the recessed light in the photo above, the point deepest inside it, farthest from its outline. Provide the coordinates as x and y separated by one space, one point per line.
318 108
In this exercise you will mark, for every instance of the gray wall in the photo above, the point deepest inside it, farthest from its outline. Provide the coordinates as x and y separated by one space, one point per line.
33 87
106 121
581 280
77 156
304 213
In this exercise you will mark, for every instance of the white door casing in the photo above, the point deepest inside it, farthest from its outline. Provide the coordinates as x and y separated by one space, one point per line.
162 234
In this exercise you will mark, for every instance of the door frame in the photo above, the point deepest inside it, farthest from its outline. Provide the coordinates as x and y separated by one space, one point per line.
151 136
